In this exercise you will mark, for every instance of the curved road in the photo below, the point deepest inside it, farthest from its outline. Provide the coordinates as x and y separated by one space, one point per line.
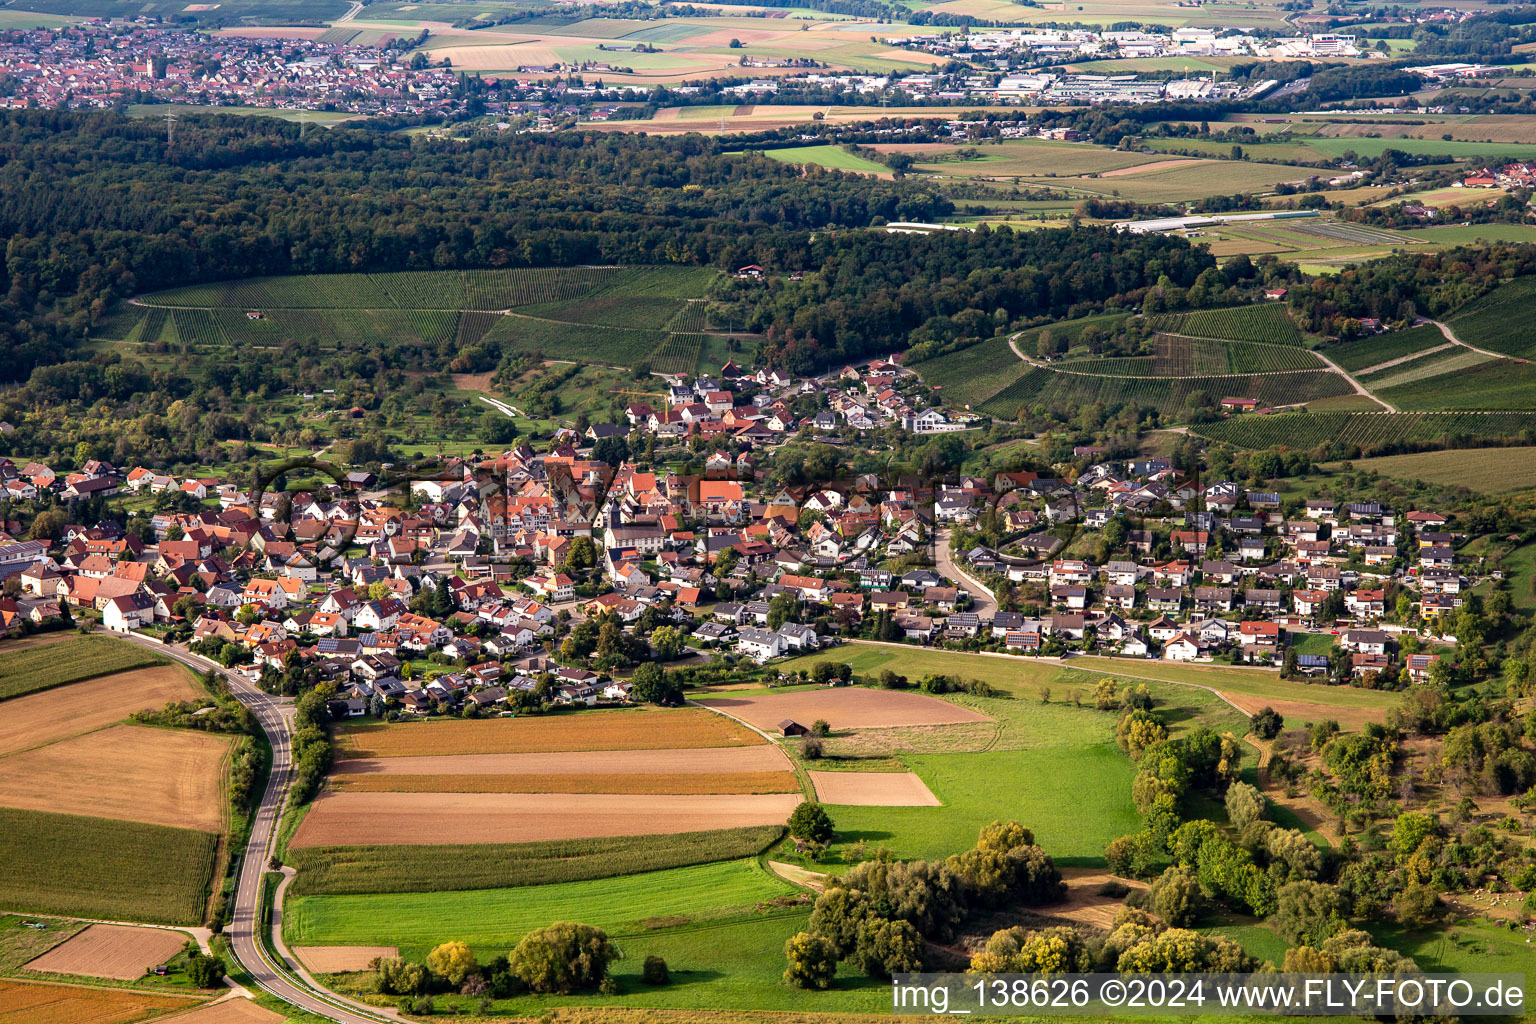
276 716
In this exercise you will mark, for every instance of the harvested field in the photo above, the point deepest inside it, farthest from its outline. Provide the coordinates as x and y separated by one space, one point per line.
111 951
338 959
1156 165
129 772
39 1003
413 819
760 758
234 1010
1298 711
680 784
873 789
601 730
41 718
848 707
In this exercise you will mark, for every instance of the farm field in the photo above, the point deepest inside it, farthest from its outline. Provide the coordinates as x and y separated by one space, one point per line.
432 868
129 772
872 789
601 730
833 158
66 659
101 868
972 375
110 951
42 718
847 707
433 818
679 784
231 1011
712 760
39 1003
1031 157
1434 364
492 920
1366 430
1485 470
1176 182
1323 148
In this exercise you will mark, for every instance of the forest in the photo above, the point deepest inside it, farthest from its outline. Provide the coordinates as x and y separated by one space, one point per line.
98 207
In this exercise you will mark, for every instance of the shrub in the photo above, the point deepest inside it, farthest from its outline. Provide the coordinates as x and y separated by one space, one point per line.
1266 725
204 971
811 961
654 971
563 957
401 977
1245 805
1175 896
811 821
453 962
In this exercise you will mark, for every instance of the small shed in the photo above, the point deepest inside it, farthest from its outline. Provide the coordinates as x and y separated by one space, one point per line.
790 727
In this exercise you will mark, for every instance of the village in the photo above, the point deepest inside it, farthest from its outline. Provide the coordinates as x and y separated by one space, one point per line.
533 578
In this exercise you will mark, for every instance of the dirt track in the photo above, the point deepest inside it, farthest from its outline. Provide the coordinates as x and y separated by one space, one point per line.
128 772
846 707
41 718
414 819
110 951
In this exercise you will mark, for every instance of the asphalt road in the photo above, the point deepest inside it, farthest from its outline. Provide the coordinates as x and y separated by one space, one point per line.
276 717
982 601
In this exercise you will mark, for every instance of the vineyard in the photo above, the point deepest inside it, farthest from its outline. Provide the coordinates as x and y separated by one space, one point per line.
1494 384
678 354
973 375
1364 353
1448 360
1168 395
616 315
1500 321
1268 322
1368 430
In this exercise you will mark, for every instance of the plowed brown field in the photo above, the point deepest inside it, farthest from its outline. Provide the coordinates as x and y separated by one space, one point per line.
873 789
680 784
37 1003
111 951
760 758
364 819
600 730
846 707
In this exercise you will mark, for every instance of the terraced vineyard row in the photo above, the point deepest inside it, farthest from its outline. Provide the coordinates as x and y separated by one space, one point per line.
1266 322
473 327
1367 430
1199 357
1367 352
